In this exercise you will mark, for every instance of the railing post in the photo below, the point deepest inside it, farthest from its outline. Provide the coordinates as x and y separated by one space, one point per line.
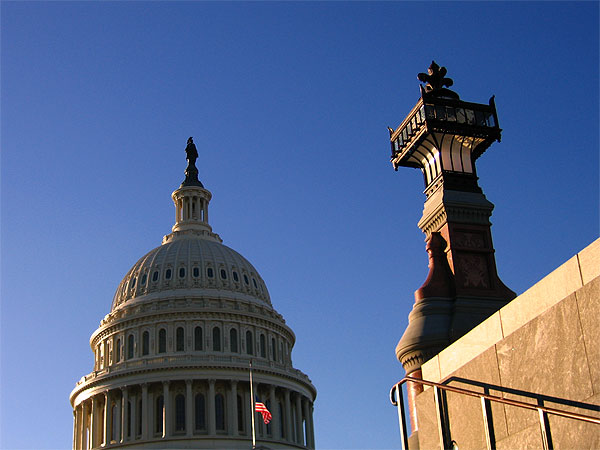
544 426
440 419
487 424
401 414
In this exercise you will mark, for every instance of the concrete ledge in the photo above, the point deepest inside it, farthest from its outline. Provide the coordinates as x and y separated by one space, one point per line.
559 284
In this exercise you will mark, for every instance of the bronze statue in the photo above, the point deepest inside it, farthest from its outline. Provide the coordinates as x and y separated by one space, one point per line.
191 152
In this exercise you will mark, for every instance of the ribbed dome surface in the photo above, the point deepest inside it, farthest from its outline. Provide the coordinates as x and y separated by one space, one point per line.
191 263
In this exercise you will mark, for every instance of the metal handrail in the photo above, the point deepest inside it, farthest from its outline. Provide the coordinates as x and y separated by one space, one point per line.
396 399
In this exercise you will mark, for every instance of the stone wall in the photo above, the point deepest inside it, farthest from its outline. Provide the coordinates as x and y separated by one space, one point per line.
544 348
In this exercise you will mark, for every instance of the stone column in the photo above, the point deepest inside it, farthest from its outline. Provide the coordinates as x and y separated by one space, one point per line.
116 421
145 412
189 401
82 436
124 406
106 421
275 431
210 403
299 433
288 416
166 410
248 413
311 425
75 428
233 408
93 423
306 413
134 416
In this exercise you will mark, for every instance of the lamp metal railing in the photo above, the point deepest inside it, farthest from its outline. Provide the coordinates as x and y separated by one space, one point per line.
397 399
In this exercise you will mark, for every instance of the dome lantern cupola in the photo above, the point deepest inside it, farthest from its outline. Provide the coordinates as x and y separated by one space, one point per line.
191 203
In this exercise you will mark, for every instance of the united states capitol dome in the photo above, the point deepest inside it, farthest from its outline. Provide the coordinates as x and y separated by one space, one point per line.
172 358
191 263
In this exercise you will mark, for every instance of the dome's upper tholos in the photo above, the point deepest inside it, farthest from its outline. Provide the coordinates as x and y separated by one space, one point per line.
191 263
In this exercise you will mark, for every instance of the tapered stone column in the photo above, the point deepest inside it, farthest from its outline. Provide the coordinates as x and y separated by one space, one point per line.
75 428
189 401
276 432
124 409
288 416
306 427
299 433
234 411
106 420
312 425
93 423
145 412
134 416
166 410
83 444
116 421
211 408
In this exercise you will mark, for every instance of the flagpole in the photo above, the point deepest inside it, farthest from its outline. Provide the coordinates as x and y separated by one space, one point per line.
252 407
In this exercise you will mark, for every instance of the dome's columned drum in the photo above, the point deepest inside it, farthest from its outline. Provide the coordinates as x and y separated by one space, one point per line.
171 359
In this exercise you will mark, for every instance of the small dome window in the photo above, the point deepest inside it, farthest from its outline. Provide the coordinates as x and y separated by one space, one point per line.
144 278
195 272
223 274
168 274
209 272
155 276
254 282
133 283
235 276
246 279
182 272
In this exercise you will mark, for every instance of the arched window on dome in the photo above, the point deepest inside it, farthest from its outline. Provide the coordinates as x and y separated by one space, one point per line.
216 335
118 350
198 338
145 343
200 413
130 346
249 344
179 412
274 349
220 412
223 274
182 272
162 341
155 276
168 274
233 340
263 346
209 272
236 278
195 272
144 278
158 417
179 339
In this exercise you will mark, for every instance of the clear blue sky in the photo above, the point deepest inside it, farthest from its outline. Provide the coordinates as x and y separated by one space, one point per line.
288 104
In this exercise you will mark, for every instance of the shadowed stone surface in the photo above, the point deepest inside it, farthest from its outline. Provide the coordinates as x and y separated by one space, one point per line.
529 438
546 356
575 434
588 301
428 431
466 418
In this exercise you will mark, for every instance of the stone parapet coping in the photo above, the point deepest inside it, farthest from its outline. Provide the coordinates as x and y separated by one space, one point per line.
550 290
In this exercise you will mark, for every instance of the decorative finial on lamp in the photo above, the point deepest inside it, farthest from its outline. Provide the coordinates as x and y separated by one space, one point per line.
436 80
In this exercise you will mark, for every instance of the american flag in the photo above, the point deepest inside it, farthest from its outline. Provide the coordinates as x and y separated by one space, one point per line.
261 408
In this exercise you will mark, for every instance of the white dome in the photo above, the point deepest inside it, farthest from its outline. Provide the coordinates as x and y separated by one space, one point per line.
191 264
